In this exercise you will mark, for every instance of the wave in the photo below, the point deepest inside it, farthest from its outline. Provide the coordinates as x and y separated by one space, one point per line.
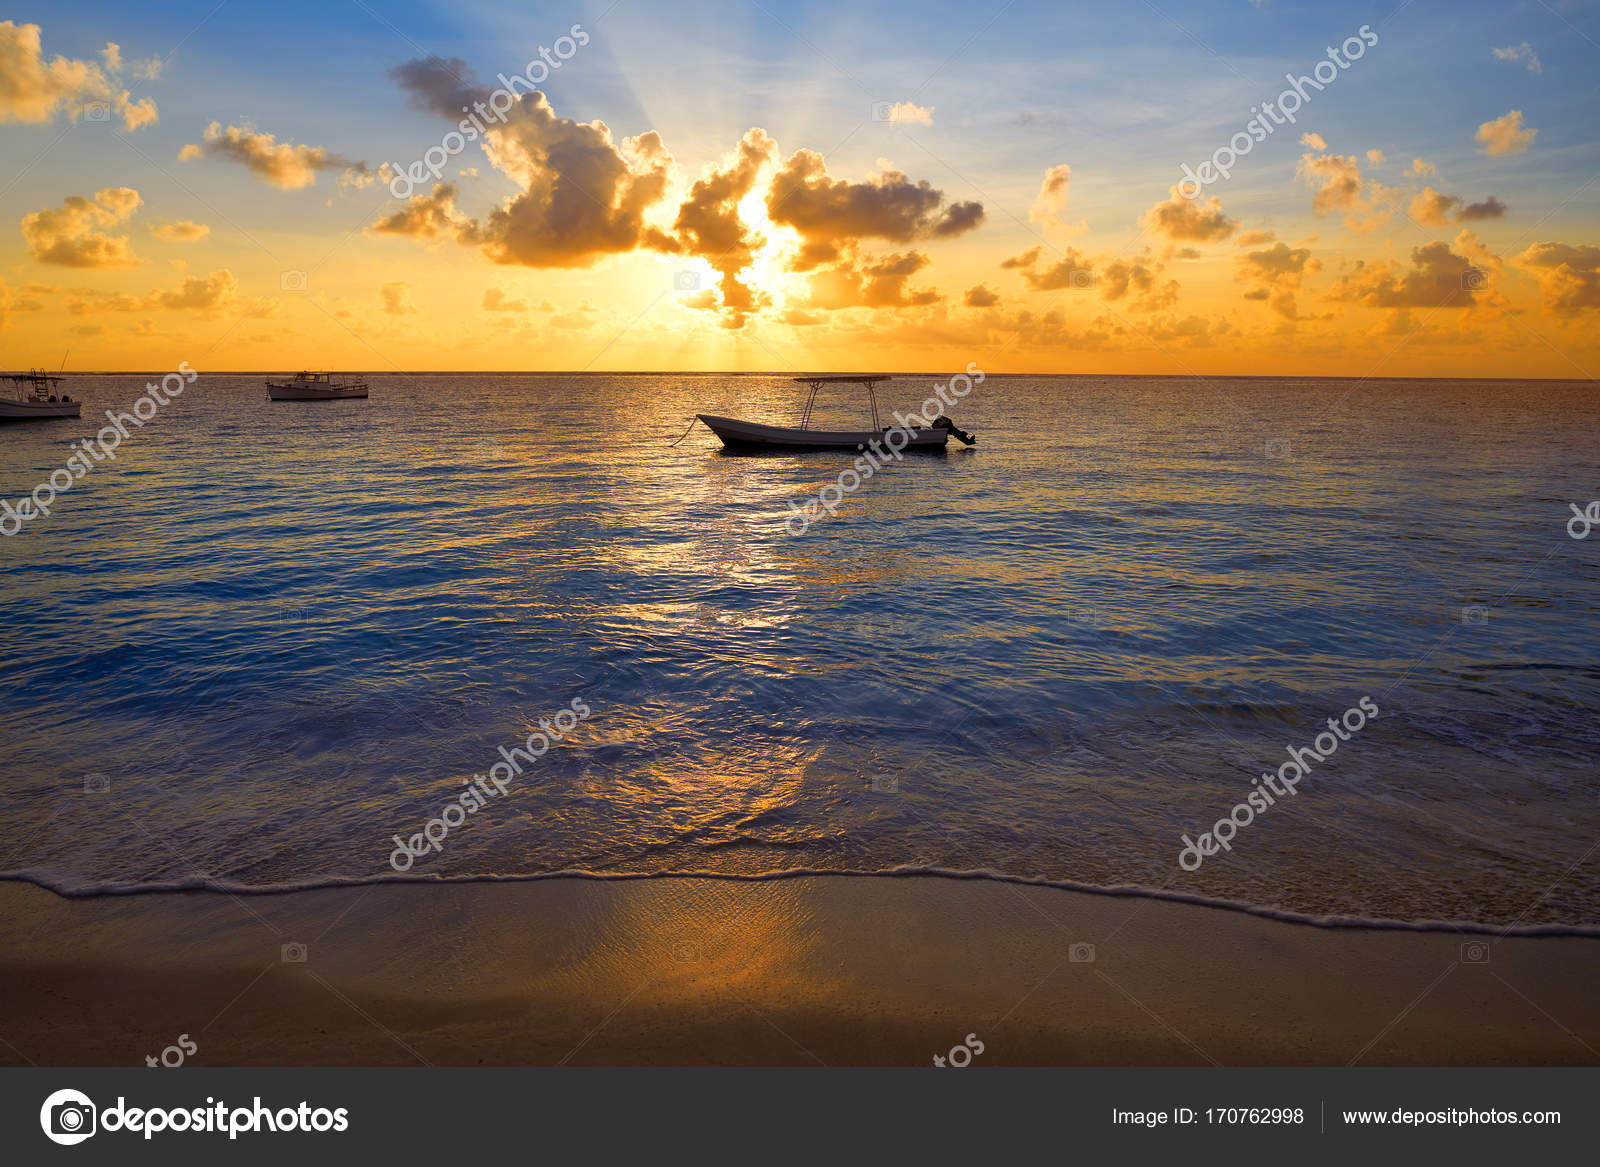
1133 891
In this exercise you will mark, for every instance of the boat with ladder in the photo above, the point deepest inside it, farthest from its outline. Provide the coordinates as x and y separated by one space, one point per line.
36 398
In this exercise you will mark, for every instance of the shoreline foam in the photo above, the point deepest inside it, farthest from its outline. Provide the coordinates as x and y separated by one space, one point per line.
1125 891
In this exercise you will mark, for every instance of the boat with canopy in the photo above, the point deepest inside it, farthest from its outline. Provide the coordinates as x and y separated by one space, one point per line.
737 434
317 387
36 398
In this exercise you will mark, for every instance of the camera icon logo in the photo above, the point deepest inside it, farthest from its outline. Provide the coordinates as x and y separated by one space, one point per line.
1081 277
686 953
1278 448
1081 953
96 783
1475 615
883 784
97 111
882 111
686 281
293 953
68 1117
1475 952
1474 279
293 281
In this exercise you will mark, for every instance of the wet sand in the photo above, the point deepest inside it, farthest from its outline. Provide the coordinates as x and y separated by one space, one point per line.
847 970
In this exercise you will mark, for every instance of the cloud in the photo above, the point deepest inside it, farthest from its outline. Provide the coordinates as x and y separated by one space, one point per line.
216 290
429 216
1072 270
1569 275
1253 238
1490 208
1188 219
1138 276
876 284
830 211
1278 263
904 113
1051 201
1421 169
1505 135
495 301
196 294
395 302
1438 278
583 196
185 231
981 296
34 90
1480 256
70 236
709 225
1523 53
1340 187
1314 141
1275 275
280 164
1432 209
1375 157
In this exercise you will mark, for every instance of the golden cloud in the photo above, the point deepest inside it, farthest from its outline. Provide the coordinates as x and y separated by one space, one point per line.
1188 219
185 231
1505 135
70 235
281 164
1568 273
34 90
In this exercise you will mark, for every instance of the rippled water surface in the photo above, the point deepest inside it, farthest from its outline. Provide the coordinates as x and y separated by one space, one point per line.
280 634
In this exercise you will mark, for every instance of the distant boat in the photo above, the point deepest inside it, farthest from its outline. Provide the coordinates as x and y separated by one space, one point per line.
750 435
317 387
36 398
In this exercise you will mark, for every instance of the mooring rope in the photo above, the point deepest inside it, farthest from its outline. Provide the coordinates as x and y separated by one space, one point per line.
684 434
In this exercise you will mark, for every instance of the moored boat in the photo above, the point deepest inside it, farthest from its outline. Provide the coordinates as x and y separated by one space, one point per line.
36 398
737 434
317 387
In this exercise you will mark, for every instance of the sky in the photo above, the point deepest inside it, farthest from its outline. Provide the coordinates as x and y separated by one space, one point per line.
1255 187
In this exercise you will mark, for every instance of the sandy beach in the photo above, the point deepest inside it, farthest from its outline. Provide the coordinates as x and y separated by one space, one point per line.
845 970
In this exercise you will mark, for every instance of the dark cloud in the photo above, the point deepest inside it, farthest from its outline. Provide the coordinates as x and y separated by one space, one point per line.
831 211
584 194
1438 278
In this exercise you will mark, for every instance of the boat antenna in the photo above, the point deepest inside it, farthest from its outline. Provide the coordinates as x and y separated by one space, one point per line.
64 357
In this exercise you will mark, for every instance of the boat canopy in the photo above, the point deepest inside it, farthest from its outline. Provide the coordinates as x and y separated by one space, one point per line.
825 378
818 380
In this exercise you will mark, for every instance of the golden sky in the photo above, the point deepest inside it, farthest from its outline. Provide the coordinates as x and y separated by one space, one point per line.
1263 188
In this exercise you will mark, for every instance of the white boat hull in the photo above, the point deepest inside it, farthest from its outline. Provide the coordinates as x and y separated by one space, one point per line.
39 410
299 393
737 434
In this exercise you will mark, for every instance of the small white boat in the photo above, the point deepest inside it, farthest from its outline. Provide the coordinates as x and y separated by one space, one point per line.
36 398
317 387
737 434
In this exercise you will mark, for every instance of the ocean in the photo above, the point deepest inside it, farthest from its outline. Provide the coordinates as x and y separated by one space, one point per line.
270 638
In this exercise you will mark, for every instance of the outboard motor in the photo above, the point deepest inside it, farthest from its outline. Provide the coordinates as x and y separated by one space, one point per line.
944 423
